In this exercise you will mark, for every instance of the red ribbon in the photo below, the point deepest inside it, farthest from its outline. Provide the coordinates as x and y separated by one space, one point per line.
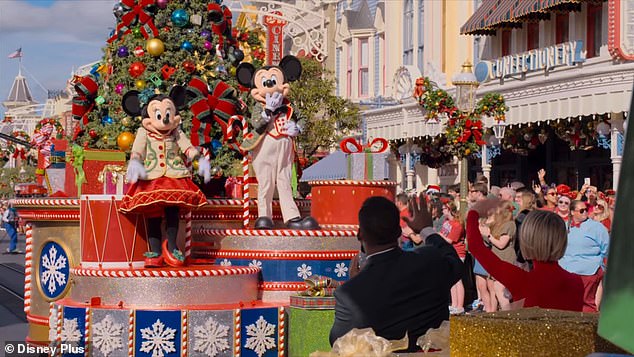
219 105
133 11
352 146
472 128
83 103
19 152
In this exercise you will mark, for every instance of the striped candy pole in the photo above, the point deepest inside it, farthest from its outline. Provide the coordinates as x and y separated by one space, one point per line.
184 334
27 268
236 331
188 235
282 332
245 179
87 333
51 309
60 324
131 334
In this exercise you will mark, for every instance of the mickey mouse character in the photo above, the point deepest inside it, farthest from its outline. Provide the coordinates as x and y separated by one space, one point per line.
275 125
161 183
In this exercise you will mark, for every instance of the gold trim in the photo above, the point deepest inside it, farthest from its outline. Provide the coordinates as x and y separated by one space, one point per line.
37 270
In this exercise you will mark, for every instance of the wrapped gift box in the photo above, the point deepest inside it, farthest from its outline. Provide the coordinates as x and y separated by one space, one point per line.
233 187
113 179
527 332
314 302
94 163
309 330
368 166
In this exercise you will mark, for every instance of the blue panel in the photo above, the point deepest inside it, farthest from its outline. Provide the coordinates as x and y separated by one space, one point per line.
297 270
53 270
74 327
157 332
259 332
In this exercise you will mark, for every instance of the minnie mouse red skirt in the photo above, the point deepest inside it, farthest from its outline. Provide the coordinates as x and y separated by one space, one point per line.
150 197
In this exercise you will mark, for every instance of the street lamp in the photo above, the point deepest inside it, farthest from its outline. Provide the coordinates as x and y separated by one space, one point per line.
410 154
466 85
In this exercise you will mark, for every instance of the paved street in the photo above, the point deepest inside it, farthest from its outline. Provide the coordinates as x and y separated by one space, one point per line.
13 326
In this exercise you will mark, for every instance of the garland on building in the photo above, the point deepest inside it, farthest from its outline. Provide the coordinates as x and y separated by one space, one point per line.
463 130
435 151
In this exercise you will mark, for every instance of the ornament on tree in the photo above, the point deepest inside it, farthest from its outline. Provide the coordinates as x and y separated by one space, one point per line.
93 134
155 47
127 121
180 18
136 69
119 88
125 140
105 139
162 4
167 71
118 11
189 66
122 52
107 120
187 46
137 32
196 19
206 34
139 84
208 45
216 171
138 51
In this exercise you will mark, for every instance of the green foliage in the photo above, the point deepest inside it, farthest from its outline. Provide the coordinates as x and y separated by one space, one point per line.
115 71
328 117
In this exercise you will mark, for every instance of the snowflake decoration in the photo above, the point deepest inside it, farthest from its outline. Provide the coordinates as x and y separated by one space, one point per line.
107 336
52 276
304 271
225 262
341 269
211 338
70 332
260 341
255 264
159 339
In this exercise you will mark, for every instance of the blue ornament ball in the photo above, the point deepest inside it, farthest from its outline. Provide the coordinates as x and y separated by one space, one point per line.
107 120
215 145
187 46
180 18
123 51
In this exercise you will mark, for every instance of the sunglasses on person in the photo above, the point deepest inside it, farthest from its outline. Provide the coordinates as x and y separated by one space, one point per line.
582 211
552 193
563 202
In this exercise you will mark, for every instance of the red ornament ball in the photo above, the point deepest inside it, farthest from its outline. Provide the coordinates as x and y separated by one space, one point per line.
189 66
136 69
93 134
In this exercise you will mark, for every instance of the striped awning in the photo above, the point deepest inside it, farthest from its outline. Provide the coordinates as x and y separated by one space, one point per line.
494 14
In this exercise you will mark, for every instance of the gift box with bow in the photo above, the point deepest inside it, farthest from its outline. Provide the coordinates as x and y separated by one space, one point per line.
233 187
84 167
366 162
113 179
318 294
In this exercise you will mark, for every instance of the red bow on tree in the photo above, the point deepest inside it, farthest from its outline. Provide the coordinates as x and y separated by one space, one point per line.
136 10
472 127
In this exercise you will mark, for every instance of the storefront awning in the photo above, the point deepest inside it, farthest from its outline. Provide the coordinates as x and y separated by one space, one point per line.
494 14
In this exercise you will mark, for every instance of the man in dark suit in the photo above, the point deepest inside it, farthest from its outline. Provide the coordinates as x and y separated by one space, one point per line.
397 292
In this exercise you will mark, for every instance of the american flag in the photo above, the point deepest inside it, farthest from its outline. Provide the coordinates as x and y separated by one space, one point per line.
16 54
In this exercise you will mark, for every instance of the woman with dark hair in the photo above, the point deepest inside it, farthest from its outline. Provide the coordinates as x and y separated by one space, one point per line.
544 240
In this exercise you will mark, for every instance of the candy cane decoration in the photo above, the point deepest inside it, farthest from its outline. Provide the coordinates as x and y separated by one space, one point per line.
51 309
87 333
131 334
282 332
27 268
60 322
236 333
245 179
184 334
188 235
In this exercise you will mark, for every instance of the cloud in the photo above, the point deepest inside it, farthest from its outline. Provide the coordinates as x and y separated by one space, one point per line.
65 21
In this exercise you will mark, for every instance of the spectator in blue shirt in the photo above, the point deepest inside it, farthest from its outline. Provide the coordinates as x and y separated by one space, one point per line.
587 249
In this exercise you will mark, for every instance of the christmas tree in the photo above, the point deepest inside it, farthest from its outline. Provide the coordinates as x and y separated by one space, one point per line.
157 44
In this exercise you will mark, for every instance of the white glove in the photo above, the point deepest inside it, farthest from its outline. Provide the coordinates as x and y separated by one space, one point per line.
265 116
292 129
273 101
204 169
136 171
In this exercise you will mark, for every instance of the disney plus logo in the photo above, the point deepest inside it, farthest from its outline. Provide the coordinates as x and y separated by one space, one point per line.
24 349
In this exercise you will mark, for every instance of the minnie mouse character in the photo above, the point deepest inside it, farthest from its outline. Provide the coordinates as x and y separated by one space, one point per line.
275 125
161 182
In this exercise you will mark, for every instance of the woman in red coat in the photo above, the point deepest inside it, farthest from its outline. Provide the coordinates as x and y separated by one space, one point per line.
544 240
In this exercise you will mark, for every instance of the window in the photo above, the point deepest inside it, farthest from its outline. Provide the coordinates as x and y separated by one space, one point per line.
594 30
561 28
421 34
364 75
506 42
532 36
408 33
349 70
377 65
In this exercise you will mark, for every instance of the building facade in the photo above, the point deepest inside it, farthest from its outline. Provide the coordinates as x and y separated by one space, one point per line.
382 47
565 70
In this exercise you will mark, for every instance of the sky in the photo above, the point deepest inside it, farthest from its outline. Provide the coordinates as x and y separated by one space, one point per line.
55 36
